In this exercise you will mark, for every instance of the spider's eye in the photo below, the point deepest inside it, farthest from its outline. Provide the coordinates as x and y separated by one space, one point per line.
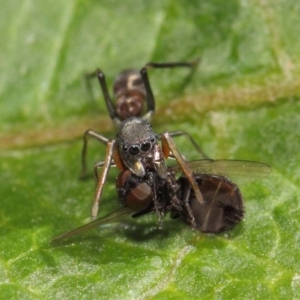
152 140
134 150
145 146
124 148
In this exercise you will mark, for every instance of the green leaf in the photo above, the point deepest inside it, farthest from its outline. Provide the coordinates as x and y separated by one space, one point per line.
242 102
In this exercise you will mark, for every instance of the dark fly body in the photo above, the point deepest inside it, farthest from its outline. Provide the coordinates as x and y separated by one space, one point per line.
221 207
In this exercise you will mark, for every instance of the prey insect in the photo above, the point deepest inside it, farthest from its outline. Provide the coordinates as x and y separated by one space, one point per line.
222 207
132 91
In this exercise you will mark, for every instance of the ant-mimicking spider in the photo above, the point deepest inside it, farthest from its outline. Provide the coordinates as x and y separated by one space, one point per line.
132 90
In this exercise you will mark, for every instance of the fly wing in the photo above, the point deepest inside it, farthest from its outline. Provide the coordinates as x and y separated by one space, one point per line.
229 168
112 217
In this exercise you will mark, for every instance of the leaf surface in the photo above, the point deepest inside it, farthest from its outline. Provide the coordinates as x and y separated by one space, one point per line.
241 103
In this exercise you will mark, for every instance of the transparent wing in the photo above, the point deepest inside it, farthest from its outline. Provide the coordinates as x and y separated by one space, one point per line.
112 217
230 168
